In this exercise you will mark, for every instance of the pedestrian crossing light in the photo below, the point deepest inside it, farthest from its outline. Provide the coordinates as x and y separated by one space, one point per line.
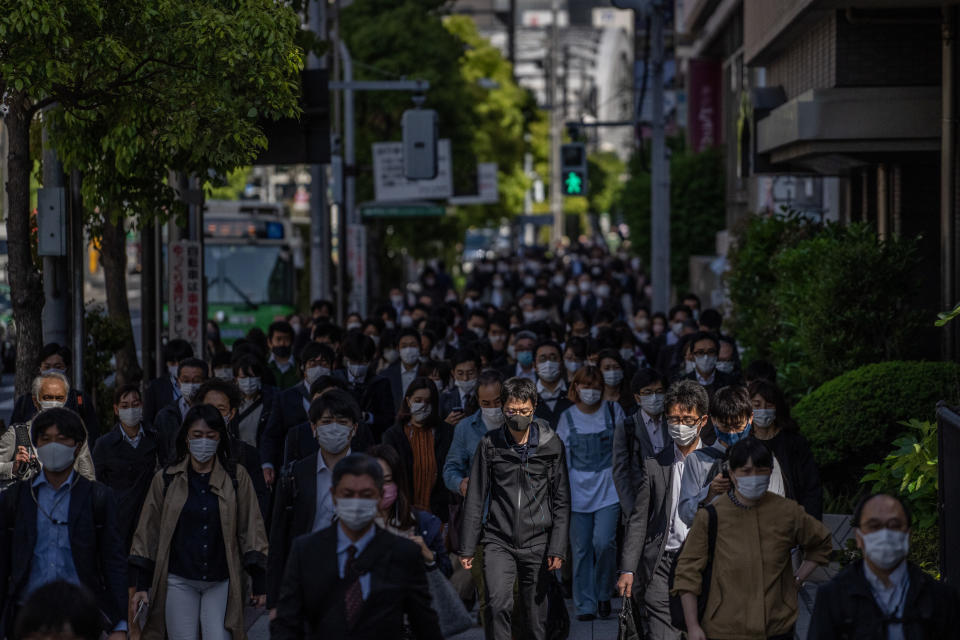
573 169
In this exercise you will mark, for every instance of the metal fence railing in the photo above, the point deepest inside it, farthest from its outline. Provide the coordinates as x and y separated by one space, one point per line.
948 428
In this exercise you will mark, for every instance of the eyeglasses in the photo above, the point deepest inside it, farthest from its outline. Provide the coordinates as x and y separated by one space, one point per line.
518 412
650 392
708 352
686 421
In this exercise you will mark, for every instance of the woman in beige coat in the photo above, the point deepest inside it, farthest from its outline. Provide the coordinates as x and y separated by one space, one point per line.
200 526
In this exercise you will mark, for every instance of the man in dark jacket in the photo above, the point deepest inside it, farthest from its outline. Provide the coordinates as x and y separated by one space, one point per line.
352 580
371 391
164 389
75 537
191 373
520 470
884 595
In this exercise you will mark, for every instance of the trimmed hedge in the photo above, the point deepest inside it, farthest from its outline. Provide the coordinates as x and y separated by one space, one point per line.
851 420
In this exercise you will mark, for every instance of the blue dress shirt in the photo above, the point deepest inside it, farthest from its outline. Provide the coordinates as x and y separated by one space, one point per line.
344 543
52 556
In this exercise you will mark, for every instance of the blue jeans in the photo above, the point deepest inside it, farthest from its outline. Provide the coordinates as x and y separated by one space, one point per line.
593 545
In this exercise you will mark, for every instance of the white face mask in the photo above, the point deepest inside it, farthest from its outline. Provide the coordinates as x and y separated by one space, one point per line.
689 366
492 417
410 355
437 352
334 437
626 353
548 370
357 371
248 386
312 374
706 364
682 434
224 373
571 290
886 548
677 328
725 366
130 416
50 404
479 332
390 356
652 404
590 397
572 366
353 326
188 389
763 418
466 387
420 411
356 513
202 449
55 456
613 377
753 487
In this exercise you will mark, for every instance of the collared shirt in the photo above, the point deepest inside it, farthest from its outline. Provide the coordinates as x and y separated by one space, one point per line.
406 377
344 543
184 407
283 367
176 388
306 398
551 397
325 510
706 381
529 375
135 440
654 430
52 555
890 599
678 528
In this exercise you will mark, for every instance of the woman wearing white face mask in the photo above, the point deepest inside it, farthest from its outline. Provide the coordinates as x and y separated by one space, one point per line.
773 425
199 529
256 401
422 439
616 385
753 589
587 430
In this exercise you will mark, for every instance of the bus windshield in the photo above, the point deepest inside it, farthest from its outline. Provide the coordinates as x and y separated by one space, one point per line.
248 275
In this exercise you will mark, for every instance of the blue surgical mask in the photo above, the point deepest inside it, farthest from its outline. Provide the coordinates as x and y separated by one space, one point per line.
525 358
731 439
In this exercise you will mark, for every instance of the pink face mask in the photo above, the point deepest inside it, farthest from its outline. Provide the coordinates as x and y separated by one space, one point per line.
389 495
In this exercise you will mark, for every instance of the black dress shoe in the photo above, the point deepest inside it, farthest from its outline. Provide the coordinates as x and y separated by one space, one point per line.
603 608
586 617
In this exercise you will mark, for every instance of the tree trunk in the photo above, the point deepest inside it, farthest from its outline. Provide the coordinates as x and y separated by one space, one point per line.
113 257
26 283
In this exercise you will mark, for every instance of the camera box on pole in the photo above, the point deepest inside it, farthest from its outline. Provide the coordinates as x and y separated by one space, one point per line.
420 144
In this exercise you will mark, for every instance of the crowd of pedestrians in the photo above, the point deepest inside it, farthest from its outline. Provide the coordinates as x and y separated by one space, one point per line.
539 433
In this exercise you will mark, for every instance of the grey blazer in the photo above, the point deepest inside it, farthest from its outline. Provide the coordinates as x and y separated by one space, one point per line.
646 532
628 457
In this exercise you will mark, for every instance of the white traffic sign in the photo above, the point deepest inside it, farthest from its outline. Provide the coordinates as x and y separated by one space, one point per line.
390 183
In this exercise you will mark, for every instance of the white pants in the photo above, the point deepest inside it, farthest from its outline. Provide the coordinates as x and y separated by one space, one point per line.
194 606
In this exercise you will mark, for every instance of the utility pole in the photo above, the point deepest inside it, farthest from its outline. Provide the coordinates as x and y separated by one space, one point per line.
512 37
319 218
75 256
56 280
660 174
556 195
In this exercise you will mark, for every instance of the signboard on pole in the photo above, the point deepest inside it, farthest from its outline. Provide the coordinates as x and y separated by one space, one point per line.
186 293
487 186
703 110
357 268
390 182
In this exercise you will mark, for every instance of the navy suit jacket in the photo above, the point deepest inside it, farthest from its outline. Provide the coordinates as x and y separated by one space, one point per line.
286 413
97 548
159 393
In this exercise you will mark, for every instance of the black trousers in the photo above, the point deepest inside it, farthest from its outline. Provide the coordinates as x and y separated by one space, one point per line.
504 566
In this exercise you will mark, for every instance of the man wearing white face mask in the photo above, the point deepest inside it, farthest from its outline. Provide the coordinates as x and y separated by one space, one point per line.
401 373
191 374
460 400
372 392
467 435
354 580
303 503
705 348
551 387
884 596
256 402
63 527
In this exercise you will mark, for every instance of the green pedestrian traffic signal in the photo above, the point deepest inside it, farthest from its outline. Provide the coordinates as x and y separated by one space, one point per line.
573 184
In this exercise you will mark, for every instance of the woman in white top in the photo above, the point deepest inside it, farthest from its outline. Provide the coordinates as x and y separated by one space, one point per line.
586 430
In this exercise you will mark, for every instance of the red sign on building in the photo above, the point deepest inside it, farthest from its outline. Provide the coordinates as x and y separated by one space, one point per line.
704 104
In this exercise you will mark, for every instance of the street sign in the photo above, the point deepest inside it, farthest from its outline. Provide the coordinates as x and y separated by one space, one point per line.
402 210
186 293
390 183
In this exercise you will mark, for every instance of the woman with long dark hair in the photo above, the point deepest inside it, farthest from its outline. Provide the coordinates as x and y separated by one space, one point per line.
199 528
422 439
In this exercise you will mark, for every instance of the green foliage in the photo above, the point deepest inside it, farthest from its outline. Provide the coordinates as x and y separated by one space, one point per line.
605 170
697 209
851 420
946 316
910 470
104 338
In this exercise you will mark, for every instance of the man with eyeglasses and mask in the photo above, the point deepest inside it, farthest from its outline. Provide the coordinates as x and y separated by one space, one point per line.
518 507
706 351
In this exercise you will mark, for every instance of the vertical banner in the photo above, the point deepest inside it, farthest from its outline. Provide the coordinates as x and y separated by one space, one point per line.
704 104
186 294
357 268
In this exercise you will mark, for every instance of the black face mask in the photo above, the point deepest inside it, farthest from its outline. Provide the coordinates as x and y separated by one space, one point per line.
282 351
519 423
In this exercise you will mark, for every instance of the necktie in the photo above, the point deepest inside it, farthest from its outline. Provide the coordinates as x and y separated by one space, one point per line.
353 596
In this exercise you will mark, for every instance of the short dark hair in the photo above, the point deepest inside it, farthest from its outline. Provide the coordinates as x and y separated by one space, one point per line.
75 610
339 402
320 305
195 363
711 319
54 349
760 370
124 389
521 389
547 344
358 464
691 296
314 350
221 360
66 420
211 416
225 387
646 377
746 449
323 383
466 355
327 330
408 331
177 350
358 347
488 377
677 308
858 510
688 394
280 326
578 346
249 366
730 403
704 335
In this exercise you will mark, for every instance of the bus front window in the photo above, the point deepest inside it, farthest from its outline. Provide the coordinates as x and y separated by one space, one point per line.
248 275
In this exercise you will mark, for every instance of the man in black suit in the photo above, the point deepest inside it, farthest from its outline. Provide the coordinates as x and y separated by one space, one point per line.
301 441
463 394
352 580
191 373
706 349
655 532
551 387
401 373
164 390
75 537
372 392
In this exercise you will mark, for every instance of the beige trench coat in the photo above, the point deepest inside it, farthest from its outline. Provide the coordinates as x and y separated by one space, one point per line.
244 537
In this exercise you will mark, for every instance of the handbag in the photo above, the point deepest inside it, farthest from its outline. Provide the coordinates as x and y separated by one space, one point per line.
627 628
677 619
453 616
558 619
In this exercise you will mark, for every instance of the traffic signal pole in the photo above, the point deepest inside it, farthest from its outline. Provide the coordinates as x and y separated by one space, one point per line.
556 188
660 170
